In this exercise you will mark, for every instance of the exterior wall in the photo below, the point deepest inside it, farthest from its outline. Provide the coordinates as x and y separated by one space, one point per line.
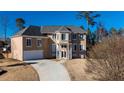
16 48
69 43
47 49
58 38
20 50
81 53
34 49
65 42
34 46
78 42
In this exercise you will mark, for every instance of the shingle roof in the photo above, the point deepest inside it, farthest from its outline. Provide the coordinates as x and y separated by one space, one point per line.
19 33
33 31
52 29
75 29
30 31
39 30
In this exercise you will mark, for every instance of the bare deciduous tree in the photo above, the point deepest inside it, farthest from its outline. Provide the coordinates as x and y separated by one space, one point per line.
106 60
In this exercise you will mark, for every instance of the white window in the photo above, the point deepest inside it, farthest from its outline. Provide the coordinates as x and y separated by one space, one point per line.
39 43
28 42
74 47
64 36
74 36
54 36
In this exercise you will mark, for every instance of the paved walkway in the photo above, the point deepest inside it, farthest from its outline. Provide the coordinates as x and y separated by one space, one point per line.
49 70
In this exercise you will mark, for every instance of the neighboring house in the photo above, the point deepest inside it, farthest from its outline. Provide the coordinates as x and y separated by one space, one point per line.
5 45
60 42
1 43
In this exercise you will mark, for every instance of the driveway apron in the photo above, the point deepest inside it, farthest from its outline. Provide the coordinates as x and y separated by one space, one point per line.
49 70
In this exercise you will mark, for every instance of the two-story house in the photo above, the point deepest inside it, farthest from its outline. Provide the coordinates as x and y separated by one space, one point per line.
38 42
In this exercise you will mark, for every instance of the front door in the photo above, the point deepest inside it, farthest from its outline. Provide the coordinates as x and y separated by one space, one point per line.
63 54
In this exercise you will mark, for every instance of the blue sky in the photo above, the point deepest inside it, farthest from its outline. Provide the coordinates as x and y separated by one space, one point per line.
108 18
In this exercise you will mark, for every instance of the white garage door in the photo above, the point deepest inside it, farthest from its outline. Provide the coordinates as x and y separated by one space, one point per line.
35 54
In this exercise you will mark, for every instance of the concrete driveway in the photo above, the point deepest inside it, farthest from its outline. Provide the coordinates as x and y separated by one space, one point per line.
49 70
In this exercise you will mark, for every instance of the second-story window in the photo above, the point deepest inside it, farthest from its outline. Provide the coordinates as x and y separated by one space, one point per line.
39 43
64 36
74 36
54 36
28 42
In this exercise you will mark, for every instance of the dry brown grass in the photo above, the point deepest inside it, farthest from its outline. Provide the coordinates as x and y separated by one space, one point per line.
17 71
76 69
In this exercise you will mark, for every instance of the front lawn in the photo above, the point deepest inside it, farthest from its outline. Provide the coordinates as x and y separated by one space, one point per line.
17 70
76 69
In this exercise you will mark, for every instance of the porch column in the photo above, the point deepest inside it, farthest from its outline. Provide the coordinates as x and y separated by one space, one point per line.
70 51
59 54
67 51
56 51
59 49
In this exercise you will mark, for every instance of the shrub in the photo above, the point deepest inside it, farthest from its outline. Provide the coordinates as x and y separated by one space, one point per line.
106 59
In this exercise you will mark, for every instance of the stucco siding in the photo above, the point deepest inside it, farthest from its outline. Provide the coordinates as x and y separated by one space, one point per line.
16 47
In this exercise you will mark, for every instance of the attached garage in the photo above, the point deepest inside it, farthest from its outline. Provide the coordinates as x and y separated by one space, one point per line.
28 44
34 54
